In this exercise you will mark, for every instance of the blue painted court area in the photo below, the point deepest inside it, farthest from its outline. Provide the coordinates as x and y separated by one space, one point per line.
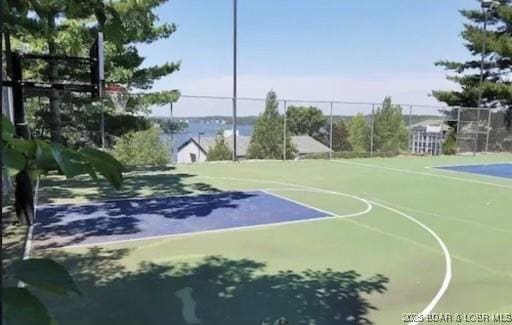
503 170
111 221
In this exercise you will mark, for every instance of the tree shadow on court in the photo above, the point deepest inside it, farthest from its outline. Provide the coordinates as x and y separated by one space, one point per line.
65 225
158 181
214 290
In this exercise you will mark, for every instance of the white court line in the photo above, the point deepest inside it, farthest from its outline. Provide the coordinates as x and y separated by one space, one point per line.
407 171
444 169
331 216
369 207
448 265
473 164
30 230
448 262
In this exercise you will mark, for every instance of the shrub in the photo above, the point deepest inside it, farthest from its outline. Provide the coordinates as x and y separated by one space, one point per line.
352 155
142 148
450 144
220 151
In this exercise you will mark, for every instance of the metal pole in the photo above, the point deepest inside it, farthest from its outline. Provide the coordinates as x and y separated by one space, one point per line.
480 91
330 132
489 123
372 130
102 128
409 123
235 12
458 130
23 192
172 133
482 58
284 132
199 144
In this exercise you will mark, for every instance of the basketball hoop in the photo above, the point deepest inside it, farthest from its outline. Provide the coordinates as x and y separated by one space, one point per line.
118 95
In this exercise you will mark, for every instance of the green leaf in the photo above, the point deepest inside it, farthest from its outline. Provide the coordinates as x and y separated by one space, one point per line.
13 159
45 274
71 163
7 128
106 165
27 147
20 307
44 157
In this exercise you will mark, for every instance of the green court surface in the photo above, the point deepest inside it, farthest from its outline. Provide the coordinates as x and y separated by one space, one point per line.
406 239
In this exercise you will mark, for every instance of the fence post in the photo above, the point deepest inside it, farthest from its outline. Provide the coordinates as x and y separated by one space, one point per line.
330 131
284 131
409 123
102 128
372 130
489 123
458 130
477 135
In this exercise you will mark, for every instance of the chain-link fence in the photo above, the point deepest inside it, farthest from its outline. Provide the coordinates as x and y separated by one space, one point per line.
329 129
277 128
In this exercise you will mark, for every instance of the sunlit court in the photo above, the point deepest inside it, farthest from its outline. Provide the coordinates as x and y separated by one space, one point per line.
378 237
241 162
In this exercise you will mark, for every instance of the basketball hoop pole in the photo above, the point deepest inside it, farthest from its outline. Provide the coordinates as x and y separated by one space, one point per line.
235 9
24 194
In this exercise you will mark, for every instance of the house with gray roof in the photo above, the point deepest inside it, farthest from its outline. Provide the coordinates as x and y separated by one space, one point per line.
196 149
427 137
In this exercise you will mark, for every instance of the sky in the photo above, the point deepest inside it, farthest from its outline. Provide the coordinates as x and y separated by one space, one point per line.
346 50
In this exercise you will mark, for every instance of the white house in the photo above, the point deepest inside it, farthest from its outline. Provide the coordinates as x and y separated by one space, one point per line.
196 149
427 137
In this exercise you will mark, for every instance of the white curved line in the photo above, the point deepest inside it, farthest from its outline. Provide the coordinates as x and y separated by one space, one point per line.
369 206
330 216
448 262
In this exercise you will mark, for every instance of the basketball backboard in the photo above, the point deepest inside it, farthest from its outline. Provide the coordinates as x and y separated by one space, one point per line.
97 62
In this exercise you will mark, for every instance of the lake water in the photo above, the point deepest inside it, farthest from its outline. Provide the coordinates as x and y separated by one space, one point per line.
207 130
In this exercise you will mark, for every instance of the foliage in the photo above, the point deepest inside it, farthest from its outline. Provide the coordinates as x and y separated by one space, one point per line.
67 27
82 128
34 158
169 126
352 155
302 120
340 135
359 133
220 151
450 144
267 138
142 148
38 157
496 89
390 133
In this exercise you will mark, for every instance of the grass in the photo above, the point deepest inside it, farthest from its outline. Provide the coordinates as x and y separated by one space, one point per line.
376 266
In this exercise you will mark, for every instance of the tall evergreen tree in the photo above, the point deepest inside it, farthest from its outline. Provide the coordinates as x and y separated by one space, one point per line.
267 137
67 27
359 133
494 44
390 133
220 151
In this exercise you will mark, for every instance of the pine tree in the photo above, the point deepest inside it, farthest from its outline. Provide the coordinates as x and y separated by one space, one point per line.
496 47
267 136
68 27
220 150
359 133
389 131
